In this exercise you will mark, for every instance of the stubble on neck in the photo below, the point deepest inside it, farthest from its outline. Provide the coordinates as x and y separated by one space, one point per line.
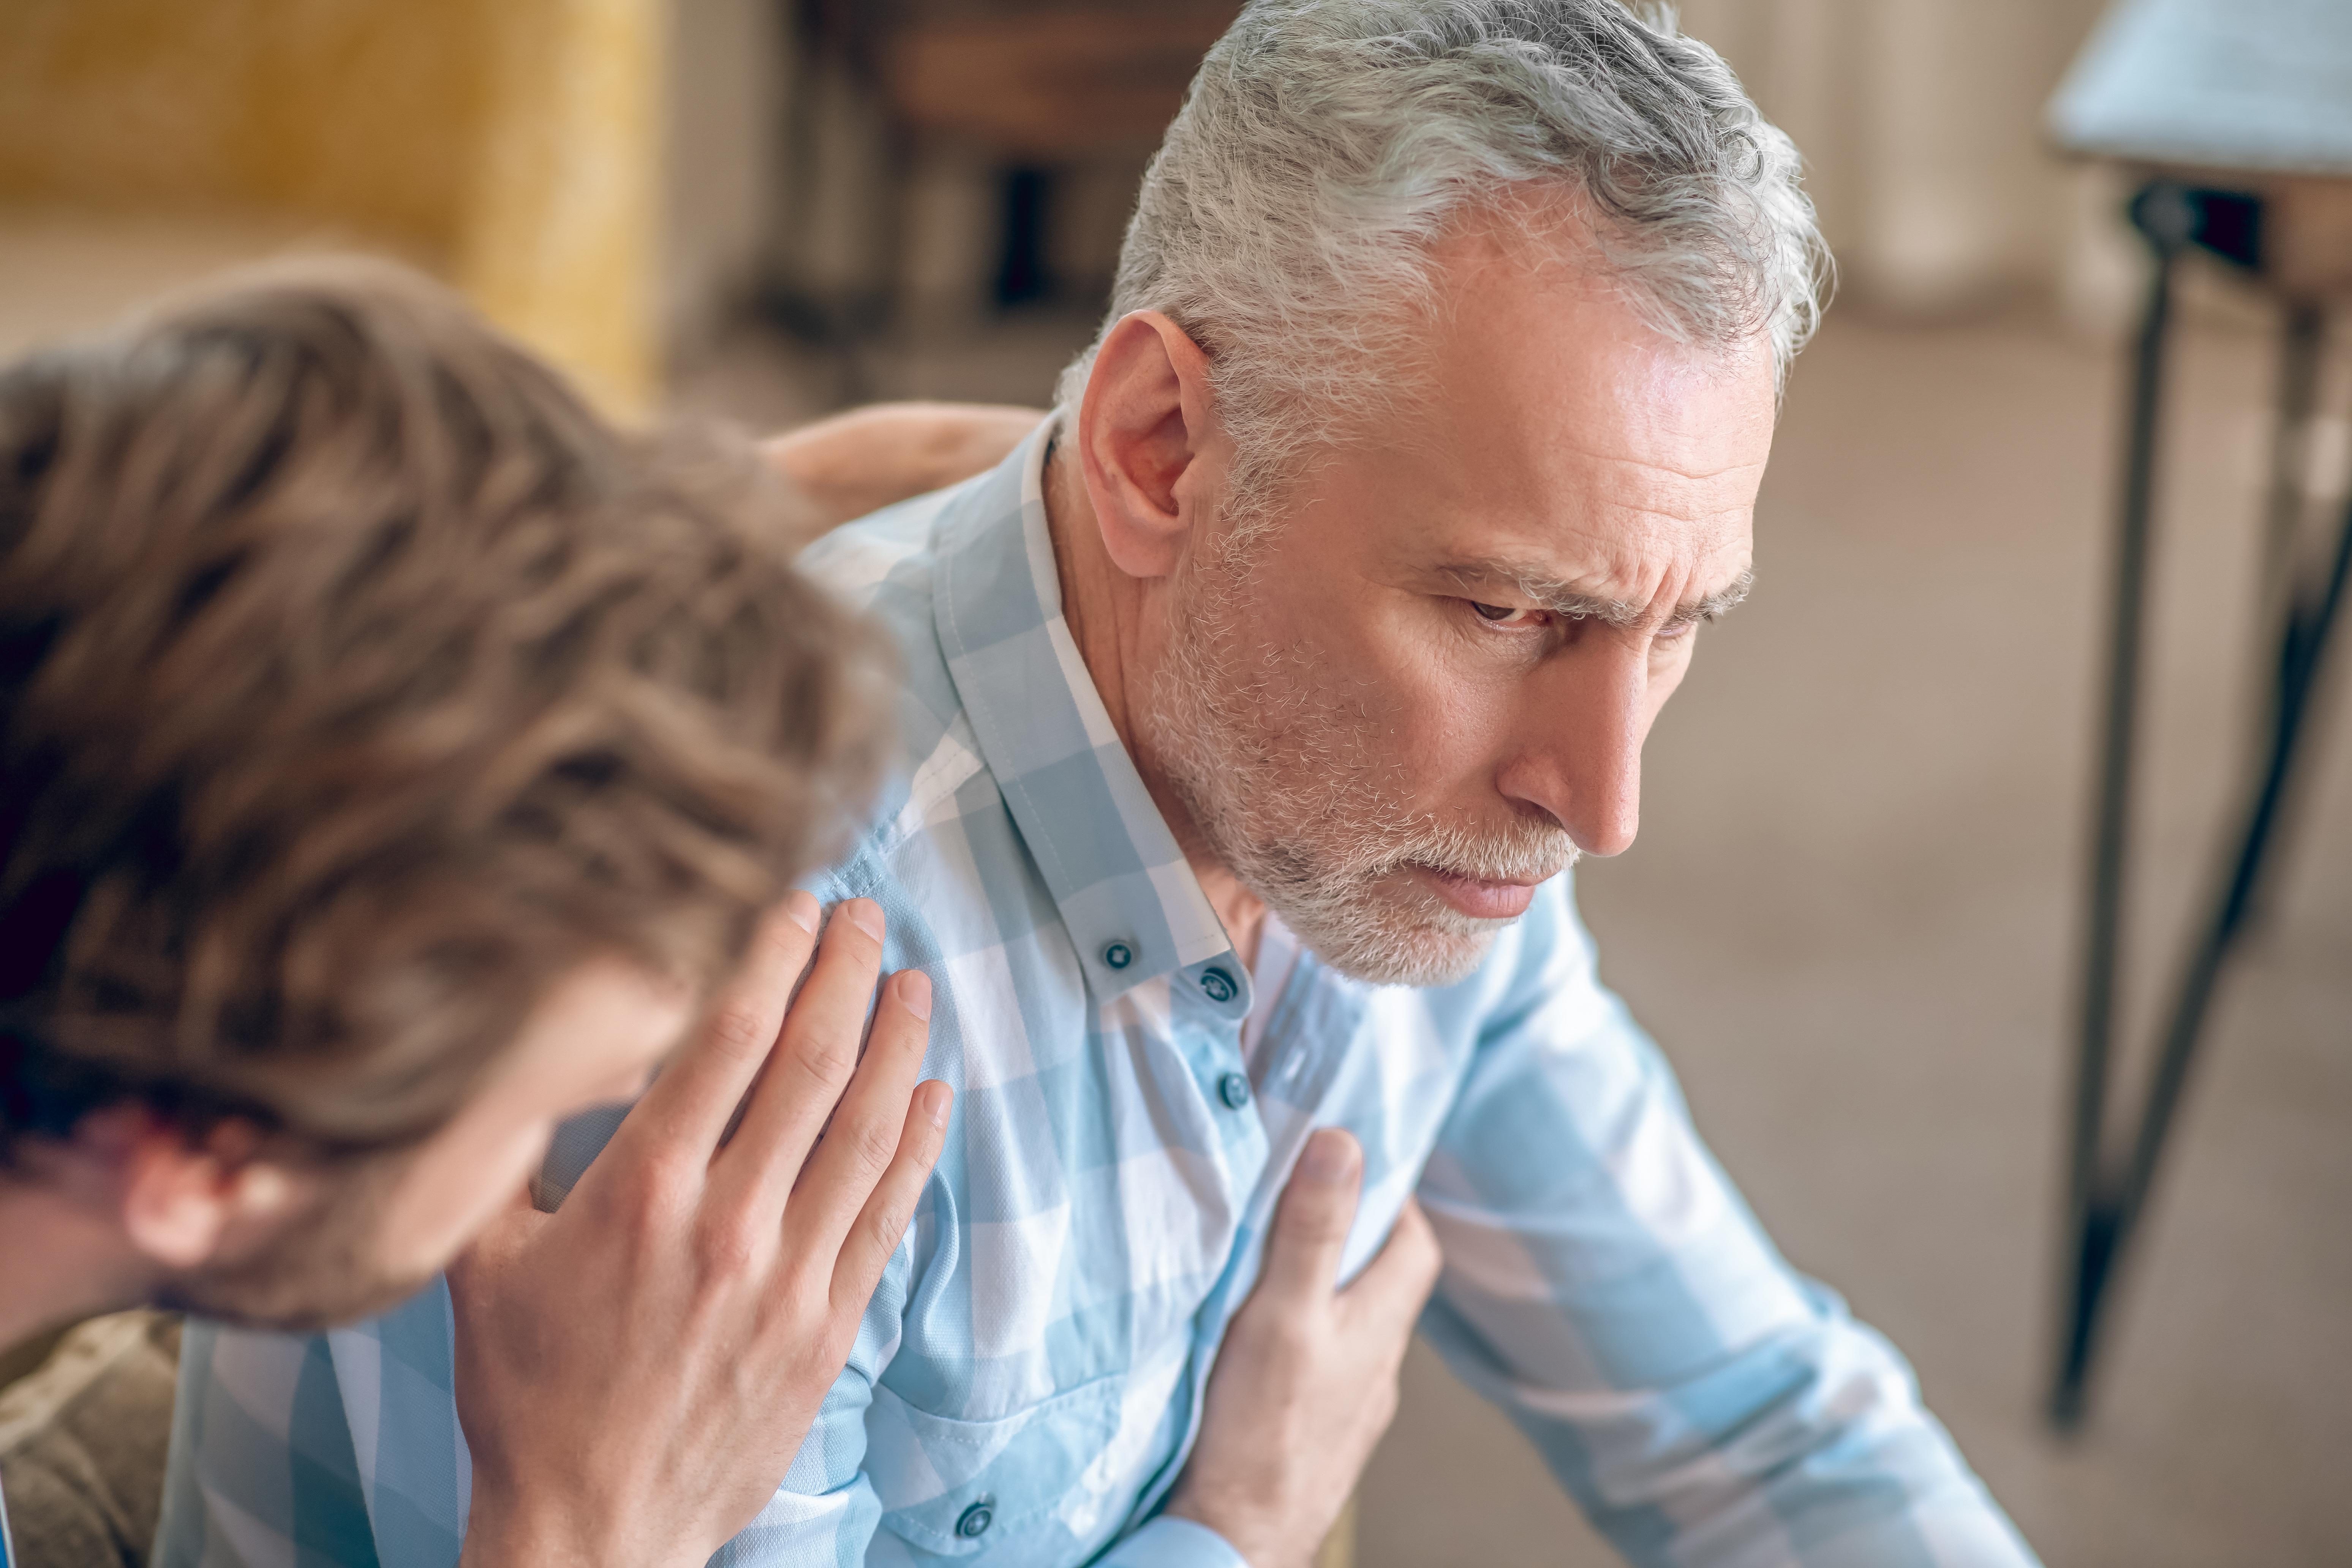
1111 619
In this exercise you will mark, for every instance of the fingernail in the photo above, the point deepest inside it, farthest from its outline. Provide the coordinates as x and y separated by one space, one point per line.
865 915
1327 1157
937 1098
800 908
915 991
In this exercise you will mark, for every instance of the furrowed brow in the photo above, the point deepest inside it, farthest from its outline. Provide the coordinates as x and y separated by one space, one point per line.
1564 599
1714 604
1567 600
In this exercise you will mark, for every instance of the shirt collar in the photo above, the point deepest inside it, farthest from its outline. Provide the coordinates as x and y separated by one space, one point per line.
1129 899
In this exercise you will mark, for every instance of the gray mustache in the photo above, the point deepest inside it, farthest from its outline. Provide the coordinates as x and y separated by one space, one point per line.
1537 857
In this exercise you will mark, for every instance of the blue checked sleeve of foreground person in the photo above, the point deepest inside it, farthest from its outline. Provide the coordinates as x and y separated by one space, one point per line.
1029 1377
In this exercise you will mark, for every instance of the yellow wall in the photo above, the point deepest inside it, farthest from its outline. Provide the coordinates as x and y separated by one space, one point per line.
560 238
512 146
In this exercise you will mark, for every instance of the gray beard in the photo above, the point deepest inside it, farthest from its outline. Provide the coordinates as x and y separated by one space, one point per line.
1284 780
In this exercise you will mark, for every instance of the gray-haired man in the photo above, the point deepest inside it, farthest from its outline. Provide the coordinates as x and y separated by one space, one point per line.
1255 712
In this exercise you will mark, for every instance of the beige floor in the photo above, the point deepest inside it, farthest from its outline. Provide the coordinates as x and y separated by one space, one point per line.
1850 918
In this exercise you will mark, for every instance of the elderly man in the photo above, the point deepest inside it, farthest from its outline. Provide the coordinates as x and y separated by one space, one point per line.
1257 711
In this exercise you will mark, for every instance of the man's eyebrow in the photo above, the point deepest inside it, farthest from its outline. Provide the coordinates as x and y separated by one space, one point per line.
1571 602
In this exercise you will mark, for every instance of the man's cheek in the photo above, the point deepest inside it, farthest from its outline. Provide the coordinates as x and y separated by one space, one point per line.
1668 679
1449 743
1419 671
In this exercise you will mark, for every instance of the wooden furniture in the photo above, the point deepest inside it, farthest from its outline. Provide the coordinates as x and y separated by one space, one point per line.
1046 82
1030 87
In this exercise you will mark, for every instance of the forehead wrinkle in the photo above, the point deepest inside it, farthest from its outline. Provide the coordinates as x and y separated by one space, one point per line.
1673 471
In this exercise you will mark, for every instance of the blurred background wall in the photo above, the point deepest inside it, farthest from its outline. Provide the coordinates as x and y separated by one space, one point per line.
617 180
1920 120
513 147
1851 916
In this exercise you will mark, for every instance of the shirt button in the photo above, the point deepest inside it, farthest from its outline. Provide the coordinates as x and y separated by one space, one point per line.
1219 985
1118 955
1234 1090
977 1519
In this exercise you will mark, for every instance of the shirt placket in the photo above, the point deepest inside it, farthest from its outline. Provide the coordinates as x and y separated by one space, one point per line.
1209 1001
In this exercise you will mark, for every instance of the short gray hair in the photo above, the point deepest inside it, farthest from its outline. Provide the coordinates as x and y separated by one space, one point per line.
1287 222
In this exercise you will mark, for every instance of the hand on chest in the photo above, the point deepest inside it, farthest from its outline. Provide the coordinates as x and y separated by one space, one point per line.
1055 1346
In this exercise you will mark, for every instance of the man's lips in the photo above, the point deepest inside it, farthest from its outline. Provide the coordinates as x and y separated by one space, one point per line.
1480 900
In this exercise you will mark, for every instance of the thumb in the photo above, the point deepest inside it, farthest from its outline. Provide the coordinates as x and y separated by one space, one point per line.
1396 1284
1318 1206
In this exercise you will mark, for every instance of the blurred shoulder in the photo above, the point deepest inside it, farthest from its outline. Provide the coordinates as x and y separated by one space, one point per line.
884 563
859 560
938 836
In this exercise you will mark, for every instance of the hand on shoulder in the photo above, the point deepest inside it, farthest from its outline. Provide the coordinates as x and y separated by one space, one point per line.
637 1370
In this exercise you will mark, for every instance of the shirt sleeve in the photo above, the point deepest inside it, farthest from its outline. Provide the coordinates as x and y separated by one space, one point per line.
262 1469
1604 1284
346 1448
1165 1542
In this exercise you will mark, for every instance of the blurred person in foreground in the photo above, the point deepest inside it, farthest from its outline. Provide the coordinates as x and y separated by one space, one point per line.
1257 710
399 760
396 761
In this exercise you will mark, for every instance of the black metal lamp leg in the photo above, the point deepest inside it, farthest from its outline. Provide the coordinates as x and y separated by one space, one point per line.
2166 225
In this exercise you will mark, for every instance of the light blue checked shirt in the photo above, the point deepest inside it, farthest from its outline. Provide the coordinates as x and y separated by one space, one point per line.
1029 1376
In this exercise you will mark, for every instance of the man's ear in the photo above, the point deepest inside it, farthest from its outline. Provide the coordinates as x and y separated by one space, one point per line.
179 1198
1148 447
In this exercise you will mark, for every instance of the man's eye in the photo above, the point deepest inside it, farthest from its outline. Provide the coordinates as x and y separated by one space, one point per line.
1502 616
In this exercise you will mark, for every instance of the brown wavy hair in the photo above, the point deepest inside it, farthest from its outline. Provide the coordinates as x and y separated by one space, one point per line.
357 683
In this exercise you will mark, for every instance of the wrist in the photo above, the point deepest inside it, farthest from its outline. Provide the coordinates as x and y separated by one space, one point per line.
501 1541
1245 1530
506 1531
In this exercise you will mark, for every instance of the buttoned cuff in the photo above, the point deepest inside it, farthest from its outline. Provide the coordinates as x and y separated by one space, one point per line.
1168 1543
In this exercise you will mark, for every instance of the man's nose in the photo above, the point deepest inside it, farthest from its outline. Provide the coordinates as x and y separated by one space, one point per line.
1580 757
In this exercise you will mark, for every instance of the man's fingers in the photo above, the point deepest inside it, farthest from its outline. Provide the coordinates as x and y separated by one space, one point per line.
850 465
813 1061
696 1095
864 1137
1397 1282
882 1223
1318 1206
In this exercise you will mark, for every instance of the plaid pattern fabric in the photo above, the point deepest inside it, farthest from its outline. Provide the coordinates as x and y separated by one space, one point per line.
1029 1377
